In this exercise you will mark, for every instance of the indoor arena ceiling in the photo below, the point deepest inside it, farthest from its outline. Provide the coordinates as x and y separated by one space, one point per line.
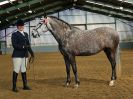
11 10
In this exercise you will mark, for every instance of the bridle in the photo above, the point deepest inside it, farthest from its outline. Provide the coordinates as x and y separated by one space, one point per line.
36 29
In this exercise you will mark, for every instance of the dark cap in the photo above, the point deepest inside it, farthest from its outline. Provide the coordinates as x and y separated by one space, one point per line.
20 22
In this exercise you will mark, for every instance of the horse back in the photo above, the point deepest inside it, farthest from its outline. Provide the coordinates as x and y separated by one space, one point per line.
93 41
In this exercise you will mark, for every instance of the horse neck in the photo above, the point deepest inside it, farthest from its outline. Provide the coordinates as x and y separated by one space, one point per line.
60 34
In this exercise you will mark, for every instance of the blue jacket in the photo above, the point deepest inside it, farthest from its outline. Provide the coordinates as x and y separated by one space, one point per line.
21 45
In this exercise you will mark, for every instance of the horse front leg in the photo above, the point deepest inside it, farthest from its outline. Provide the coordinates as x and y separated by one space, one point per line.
74 68
67 83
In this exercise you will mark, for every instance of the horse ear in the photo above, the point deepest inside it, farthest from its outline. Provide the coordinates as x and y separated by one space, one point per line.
45 17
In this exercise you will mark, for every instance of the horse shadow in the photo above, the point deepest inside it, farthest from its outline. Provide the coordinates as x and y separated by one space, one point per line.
94 80
54 82
61 81
51 81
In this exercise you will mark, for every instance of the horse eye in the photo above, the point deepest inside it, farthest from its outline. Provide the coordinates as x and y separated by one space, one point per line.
33 35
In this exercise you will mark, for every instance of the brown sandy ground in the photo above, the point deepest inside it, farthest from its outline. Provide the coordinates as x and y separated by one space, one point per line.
47 76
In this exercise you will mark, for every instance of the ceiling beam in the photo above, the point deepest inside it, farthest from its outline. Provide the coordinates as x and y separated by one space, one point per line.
20 6
31 17
105 12
50 6
105 9
50 11
57 3
108 6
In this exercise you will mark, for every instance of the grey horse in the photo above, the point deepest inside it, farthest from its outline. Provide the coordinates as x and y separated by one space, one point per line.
76 42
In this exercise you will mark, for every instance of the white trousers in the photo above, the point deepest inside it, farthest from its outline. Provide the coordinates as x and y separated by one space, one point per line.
20 64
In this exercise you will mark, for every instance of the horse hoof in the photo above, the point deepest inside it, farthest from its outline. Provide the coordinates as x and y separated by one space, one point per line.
67 84
111 83
76 86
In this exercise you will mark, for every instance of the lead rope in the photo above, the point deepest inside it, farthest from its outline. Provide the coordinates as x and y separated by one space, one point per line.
28 68
34 71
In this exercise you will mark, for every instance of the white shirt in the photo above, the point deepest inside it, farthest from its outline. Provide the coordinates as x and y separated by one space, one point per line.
22 32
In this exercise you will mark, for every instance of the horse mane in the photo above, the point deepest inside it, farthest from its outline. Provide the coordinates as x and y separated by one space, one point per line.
61 21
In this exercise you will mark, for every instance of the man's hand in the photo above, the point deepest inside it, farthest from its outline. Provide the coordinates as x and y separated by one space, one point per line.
26 46
31 59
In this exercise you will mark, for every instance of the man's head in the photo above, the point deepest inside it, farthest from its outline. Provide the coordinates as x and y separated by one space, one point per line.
20 24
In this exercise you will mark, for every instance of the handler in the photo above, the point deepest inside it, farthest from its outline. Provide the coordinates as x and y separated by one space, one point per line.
21 47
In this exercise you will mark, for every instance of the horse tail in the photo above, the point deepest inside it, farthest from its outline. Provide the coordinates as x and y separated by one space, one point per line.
118 62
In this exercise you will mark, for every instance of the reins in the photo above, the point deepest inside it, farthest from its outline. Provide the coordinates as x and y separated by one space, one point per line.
35 29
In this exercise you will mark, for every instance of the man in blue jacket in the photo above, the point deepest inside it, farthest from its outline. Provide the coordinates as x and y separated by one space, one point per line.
21 47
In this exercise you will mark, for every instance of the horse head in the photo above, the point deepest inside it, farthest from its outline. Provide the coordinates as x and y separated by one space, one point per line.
46 21
35 32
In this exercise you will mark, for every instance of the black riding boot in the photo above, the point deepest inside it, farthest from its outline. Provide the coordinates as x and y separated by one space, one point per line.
14 80
24 78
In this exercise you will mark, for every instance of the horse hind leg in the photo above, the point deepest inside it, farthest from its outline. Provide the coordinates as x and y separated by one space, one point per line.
111 57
